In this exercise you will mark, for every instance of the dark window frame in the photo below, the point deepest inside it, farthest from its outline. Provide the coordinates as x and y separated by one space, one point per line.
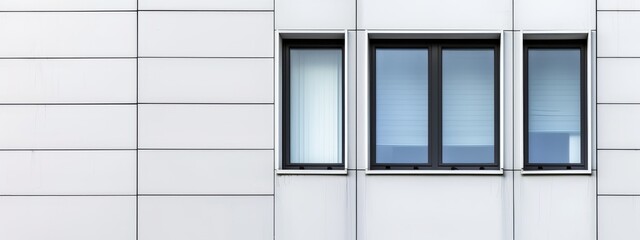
434 102
584 148
287 45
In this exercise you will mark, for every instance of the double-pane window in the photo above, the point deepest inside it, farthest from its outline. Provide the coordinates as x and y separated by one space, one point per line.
434 104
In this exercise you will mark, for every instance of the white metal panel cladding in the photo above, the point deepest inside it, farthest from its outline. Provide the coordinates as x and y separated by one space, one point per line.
433 14
96 94
550 15
545 205
618 217
67 34
618 126
205 80
205 172
67 5
435 207
618 5
204 126
67 127
622 80
67 81
68 217
618 214
205 34
311 14
67 172
618 172
205 5
618 34
205 217
295 219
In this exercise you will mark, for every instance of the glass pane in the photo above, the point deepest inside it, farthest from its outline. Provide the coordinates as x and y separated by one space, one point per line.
316 105
554 105
468 80
401 105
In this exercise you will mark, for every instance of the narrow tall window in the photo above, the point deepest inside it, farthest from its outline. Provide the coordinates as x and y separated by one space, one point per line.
434 104
555 105
313 129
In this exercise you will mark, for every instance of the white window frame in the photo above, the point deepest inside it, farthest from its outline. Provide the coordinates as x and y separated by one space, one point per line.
278 156
519 100
363 121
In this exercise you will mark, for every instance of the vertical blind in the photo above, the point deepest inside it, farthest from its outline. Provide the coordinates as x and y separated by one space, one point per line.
316 105
468 105
554 105
401 105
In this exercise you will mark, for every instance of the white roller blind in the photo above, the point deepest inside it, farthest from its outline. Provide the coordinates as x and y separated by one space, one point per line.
401 96
316 105
554 90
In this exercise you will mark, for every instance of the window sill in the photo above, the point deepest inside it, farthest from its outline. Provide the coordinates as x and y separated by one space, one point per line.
556 172
434 172
310 172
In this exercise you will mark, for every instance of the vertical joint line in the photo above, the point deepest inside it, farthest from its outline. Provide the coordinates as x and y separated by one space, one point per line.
137 114
513 93
276 162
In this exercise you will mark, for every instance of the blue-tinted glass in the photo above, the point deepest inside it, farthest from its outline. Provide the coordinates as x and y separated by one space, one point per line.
468 126
316 106
401 105
554 106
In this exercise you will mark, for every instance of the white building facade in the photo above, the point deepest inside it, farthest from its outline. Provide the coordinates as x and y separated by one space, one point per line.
171 119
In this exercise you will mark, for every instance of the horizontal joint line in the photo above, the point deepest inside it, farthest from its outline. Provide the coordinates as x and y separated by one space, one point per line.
61 58
228 57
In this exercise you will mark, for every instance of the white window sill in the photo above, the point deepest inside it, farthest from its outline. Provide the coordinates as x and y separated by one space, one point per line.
311 172
435 172
556 172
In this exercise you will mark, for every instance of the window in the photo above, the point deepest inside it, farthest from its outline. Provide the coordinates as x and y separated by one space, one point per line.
434 104
313 100
555 126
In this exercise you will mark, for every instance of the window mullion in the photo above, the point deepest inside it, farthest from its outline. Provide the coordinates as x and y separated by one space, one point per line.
435 111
